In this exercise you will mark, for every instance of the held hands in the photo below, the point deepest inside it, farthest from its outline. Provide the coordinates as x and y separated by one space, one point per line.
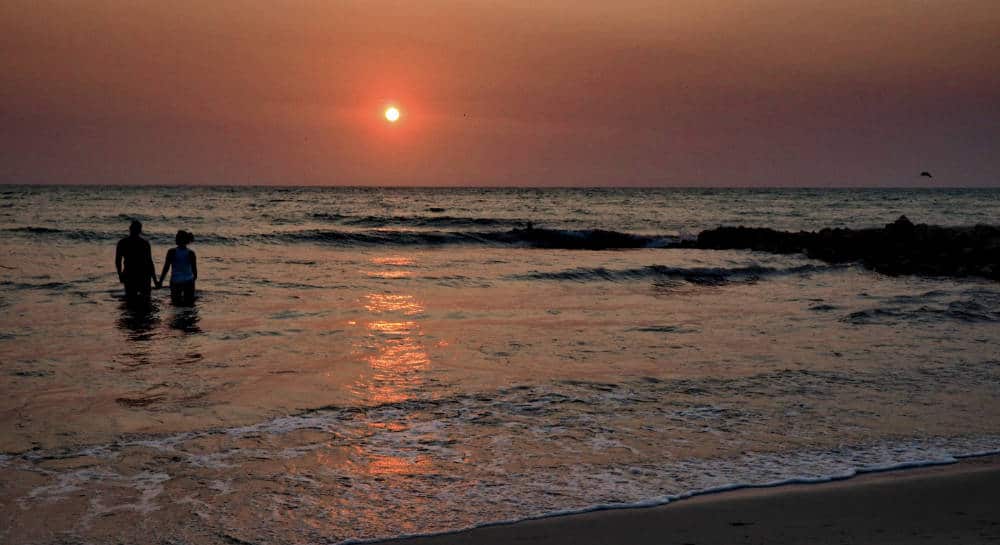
158 284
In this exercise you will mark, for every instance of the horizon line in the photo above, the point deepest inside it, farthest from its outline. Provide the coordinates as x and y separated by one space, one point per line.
555 187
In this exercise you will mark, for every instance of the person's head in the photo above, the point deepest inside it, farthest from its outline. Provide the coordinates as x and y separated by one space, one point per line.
135 228
183 238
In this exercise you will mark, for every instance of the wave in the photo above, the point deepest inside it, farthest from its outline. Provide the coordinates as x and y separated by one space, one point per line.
17 286
88 235
72 234
425 430
586 239
419 221
694 275
969 311
938 458
373 238
569 239
125 218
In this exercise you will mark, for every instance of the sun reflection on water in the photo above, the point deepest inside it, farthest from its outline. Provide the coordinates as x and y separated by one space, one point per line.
392 328
393 345
397 465
386 303
398 261
400 357
390 273
396 358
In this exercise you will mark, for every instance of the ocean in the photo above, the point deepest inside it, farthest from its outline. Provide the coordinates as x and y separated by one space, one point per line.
366 363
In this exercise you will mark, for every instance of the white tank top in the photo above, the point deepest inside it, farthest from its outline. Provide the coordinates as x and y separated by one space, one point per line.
180 269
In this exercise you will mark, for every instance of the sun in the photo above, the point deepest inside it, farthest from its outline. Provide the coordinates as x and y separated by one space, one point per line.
392 114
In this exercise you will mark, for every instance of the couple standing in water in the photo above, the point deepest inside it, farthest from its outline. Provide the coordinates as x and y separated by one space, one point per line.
134 262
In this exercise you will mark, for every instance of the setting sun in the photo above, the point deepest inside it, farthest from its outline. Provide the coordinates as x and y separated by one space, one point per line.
392 114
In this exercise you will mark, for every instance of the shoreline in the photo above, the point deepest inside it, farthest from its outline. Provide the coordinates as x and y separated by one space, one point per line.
940 503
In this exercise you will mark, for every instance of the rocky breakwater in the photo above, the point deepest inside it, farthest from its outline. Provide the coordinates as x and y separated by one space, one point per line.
898 248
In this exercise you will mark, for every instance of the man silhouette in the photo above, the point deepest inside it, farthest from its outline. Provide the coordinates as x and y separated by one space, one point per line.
138 268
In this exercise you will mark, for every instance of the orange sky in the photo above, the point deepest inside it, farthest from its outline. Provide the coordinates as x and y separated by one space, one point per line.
541 92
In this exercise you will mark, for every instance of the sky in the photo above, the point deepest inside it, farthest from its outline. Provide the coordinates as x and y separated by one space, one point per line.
501 92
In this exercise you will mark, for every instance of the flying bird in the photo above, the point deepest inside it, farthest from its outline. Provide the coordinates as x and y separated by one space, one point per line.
926 174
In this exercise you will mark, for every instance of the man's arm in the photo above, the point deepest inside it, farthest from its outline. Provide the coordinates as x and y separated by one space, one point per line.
151 267
194 265
118 261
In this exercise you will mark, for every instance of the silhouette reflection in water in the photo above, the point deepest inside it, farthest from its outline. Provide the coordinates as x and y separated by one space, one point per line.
139 318
186 319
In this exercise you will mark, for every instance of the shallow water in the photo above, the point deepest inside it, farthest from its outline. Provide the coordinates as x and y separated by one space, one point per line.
367 363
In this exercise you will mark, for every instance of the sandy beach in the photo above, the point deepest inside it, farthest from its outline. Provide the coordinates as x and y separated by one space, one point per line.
940 504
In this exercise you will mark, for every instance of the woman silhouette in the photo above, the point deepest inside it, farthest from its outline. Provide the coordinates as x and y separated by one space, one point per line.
184 266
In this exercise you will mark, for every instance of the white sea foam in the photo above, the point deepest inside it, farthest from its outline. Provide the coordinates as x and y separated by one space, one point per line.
656 501
503 486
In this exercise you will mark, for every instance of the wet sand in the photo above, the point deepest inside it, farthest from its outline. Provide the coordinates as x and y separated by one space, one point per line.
956 503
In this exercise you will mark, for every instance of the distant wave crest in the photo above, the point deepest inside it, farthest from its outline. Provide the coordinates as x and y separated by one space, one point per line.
585 239
693 275
418 221
88 235
569 239
972 306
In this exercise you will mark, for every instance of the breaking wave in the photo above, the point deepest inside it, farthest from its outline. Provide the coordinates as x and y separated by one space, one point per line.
569 239
694 275
88 235
972 306
418 221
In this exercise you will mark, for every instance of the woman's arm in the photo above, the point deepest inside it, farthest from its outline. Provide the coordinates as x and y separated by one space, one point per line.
166 266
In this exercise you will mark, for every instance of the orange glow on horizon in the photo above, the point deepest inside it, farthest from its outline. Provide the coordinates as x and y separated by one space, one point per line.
548 94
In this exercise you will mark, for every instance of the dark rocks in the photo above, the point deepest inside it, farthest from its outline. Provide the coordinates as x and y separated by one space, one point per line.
899 248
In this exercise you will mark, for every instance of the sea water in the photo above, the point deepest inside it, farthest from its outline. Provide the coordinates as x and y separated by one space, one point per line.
369 363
